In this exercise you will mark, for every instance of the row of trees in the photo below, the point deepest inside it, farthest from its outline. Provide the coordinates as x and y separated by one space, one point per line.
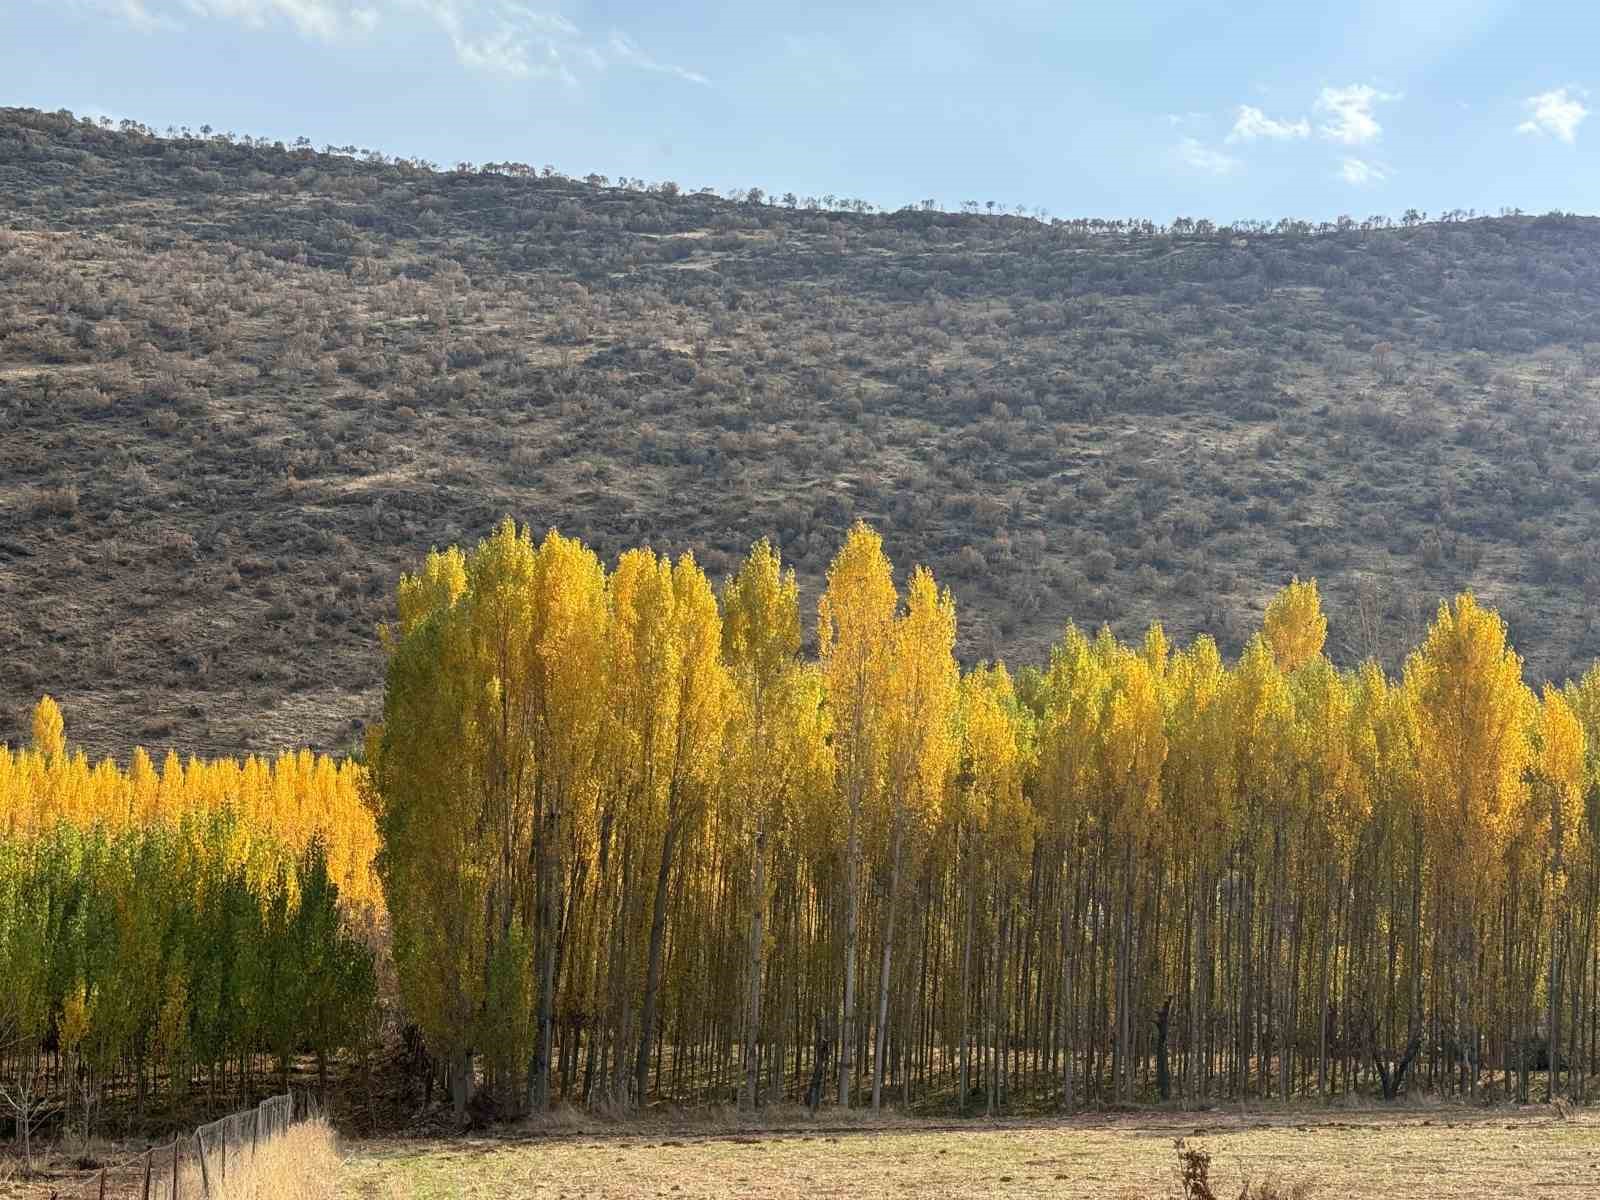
304 148
287 801
635 844
162 932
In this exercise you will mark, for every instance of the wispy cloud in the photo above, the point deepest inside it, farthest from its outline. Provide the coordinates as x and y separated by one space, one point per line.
1195 155
498 53
135 13
624 51
1557 113
516 43
1252 124
511 39
1348 113
1360 173
323 20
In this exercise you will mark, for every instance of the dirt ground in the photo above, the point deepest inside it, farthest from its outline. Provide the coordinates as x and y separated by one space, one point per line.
1440 1152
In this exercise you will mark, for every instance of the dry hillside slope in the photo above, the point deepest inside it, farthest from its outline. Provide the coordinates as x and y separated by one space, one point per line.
243 386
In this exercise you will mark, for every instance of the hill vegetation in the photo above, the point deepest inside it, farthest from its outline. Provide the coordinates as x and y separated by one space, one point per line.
243 385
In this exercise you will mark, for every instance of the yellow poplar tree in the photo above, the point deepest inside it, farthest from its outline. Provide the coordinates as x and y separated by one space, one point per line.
855 626
1075 691
761 644
996 746
437 867
1561 771
920 747
1294 626
1196 800
568 656
1134 749
701 715
1466 683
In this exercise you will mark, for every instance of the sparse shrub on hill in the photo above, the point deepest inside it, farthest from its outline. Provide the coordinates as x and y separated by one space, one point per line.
460 344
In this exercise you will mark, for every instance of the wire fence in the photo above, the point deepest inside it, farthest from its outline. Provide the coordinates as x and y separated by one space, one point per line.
194 1165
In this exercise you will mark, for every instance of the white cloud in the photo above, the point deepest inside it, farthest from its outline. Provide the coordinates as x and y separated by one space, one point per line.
323 20
499 53
509 38
625 51
1557 113
1196 156
1252 123
1349 113
1359 173
134 12
547 22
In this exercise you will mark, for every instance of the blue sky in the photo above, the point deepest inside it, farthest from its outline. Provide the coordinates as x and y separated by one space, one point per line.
1248 109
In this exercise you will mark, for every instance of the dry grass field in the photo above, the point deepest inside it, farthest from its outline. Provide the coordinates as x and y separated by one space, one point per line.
1356 1154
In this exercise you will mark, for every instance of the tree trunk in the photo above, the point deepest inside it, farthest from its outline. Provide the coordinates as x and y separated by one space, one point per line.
1163 1070
460 1085
752 1004
966 1000
1069 958
652 978
539 1071
883 978
852 920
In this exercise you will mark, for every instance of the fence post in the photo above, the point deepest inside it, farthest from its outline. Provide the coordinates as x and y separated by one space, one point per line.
205 1174
223 1169
174 1169
102 1183
149 1158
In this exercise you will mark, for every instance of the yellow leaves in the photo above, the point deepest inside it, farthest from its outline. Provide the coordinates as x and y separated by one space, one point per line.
996 749
48 737
761 618
798 758
1075 690
782 759
1198 795
705 700
920 705
276 808
76 1016
1135 746
432 590
1294 626
855 618
643 671
855 626
1472 722
1260 718
1562 745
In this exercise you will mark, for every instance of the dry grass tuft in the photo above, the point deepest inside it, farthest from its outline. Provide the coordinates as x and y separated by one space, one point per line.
303 1164
1193 1174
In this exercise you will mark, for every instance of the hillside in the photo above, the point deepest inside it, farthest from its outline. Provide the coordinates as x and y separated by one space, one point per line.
242 387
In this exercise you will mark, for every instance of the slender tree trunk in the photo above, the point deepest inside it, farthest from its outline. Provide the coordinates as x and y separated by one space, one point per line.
883 977
752 1006
852 920
460 1085
966 994
1069 996
652 978
1163 1069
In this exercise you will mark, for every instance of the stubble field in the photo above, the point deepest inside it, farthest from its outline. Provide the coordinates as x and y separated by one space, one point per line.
1440 1152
